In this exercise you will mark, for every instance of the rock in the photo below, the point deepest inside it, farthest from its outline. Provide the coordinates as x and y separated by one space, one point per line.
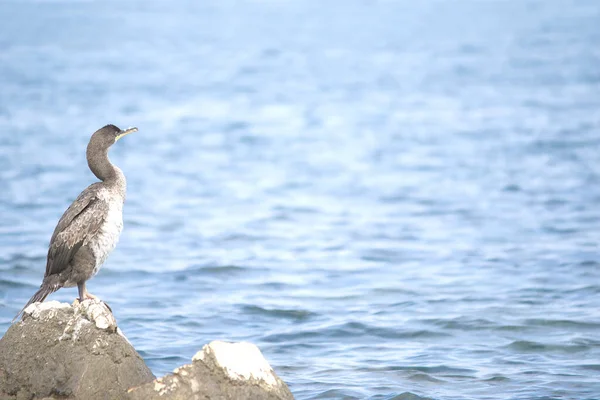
59 351
68 352
220 371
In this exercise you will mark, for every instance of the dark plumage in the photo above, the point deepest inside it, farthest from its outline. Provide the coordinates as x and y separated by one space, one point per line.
89 230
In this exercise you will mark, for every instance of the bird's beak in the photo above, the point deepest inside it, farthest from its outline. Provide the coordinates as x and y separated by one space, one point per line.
126 132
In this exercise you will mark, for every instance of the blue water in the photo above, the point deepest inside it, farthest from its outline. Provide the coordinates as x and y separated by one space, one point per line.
392 199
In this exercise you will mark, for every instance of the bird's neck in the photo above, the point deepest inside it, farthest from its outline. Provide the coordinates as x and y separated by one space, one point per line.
104 170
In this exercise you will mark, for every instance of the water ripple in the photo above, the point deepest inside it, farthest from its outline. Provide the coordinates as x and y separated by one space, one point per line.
295 315
390 209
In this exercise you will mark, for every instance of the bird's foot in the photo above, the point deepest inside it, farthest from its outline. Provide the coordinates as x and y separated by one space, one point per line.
89 296
86 296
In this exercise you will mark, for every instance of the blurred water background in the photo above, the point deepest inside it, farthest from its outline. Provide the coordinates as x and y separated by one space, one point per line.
390 198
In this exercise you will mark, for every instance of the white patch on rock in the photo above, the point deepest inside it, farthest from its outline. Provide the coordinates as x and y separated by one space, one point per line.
49 309
73 328
164 388
77 328
159 386
100 344
84 313
194 385
181 371
120 332
98 313
199 356
239 361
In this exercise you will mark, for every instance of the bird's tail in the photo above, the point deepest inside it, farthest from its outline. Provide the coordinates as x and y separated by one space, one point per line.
40 295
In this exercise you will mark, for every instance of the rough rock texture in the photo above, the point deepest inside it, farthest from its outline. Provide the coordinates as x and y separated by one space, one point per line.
220 371
59 351
68 352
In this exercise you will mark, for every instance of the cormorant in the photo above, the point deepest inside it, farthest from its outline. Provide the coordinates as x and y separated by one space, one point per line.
89 230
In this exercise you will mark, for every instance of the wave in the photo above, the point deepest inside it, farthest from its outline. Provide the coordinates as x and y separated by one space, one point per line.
291 314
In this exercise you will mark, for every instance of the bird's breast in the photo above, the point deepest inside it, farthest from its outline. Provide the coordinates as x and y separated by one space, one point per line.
108 234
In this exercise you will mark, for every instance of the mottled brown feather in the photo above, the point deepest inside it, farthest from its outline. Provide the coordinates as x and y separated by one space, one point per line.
76 227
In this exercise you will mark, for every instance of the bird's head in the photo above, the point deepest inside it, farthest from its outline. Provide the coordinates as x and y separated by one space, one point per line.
109 134
97 151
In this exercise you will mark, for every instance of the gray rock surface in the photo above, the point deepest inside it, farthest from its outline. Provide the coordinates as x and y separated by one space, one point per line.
68 352
62 351
232 371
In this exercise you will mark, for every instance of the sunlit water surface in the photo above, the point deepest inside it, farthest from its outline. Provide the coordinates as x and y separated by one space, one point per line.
392 199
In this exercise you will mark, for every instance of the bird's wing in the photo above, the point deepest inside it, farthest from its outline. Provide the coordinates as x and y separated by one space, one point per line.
79 223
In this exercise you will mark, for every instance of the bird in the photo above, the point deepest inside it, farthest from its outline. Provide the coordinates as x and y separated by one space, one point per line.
89 229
